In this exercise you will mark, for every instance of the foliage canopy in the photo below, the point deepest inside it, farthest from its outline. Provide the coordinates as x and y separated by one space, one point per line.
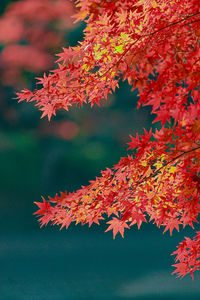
154 45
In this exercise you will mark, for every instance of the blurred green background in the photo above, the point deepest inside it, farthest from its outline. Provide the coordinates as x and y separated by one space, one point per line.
41 158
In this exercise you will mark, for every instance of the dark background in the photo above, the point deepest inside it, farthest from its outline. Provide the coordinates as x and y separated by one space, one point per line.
79 263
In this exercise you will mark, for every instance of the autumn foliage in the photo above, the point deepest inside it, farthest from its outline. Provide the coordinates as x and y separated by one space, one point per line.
30 30
154 45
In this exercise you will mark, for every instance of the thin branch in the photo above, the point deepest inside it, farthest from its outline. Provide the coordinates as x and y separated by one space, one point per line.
131 45
166 164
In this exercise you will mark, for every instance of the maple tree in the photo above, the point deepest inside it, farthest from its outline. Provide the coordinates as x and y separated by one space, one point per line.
154 45
31 28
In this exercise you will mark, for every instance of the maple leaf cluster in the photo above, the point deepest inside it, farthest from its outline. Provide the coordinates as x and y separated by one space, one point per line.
29 29
154 45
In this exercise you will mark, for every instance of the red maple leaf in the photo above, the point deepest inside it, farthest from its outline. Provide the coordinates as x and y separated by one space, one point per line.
44 207
117 226
171 224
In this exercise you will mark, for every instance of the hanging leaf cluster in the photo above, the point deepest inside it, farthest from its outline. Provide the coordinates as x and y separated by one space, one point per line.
155 46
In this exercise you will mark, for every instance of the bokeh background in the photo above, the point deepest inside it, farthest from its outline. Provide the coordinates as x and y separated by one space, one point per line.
41 158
